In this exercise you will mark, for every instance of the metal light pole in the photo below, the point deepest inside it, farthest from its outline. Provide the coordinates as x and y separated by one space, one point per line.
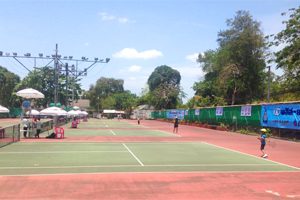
269 77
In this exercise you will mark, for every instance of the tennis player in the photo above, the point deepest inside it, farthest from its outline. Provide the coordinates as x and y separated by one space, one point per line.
262 139
175 125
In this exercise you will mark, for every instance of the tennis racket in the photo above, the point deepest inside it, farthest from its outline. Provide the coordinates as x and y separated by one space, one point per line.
271 143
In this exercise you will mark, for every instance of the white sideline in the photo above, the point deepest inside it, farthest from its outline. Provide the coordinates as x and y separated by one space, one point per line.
133 154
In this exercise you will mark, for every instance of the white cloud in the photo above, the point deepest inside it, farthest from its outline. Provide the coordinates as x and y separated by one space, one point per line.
131 53
86 44
193 57
106 17
134 68
132 78
125 20
190 72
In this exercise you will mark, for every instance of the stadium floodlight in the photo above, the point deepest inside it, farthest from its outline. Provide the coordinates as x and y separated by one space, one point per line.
85 74
70 57
107 60
58 56
15 54
53 55
65 56
83 58
7 54
48 56
1 53
101 60
40 54
96 59
27 54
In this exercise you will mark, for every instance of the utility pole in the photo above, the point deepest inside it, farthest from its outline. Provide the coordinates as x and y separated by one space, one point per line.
56 76
269 79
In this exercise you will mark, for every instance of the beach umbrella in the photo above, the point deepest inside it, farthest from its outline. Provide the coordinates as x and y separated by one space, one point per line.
3 109
33 112
76 107
73 113
30 93
50 111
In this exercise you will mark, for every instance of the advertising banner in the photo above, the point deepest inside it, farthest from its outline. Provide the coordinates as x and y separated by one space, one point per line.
197 111
219 111
281 116
186 112
171 114
246 111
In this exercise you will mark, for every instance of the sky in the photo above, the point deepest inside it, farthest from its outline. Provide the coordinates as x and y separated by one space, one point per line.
137 36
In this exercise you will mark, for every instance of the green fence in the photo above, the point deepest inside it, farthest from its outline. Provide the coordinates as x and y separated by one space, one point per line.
209 115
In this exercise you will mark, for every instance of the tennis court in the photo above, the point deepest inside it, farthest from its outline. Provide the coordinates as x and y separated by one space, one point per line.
52 158
196 163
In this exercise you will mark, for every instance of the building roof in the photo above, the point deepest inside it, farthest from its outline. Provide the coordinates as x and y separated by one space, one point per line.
82 103
144 107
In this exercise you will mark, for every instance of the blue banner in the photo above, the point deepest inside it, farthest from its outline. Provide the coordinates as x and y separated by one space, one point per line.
171 114
281 116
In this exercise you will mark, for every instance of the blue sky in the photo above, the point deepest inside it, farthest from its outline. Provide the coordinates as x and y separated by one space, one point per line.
137 36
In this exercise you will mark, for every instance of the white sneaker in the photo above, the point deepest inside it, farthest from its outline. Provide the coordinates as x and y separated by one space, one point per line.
266 155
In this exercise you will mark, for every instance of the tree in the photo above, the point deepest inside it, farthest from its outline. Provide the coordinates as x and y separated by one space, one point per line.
288 58
42 79
235 71
8 81
103 88
164 86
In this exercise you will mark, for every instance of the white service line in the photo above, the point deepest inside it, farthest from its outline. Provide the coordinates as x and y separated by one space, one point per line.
169 133
106 126
252 156
112 132
116 166
63 152
133 154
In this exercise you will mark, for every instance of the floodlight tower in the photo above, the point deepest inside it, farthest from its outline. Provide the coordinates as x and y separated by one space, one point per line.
59 64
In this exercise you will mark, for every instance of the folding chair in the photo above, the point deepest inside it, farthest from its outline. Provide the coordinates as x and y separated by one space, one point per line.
59 131
74 124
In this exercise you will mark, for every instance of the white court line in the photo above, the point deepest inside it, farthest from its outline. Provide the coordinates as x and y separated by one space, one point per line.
169 133
156 172
103 166
101 142
64 152
112 132
133 154
106 126
252 156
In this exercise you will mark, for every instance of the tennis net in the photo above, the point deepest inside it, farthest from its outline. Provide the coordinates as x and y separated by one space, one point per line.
9 134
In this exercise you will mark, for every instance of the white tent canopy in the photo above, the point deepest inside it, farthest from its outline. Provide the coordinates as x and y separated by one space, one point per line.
62 113
85 113
76 107
78 112
3 109
73 113
30 93
33 112
50 111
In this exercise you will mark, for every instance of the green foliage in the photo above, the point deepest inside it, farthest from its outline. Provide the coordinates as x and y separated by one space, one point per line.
42 80
108 93
288 58
164 88
103 88
235 71
8 81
